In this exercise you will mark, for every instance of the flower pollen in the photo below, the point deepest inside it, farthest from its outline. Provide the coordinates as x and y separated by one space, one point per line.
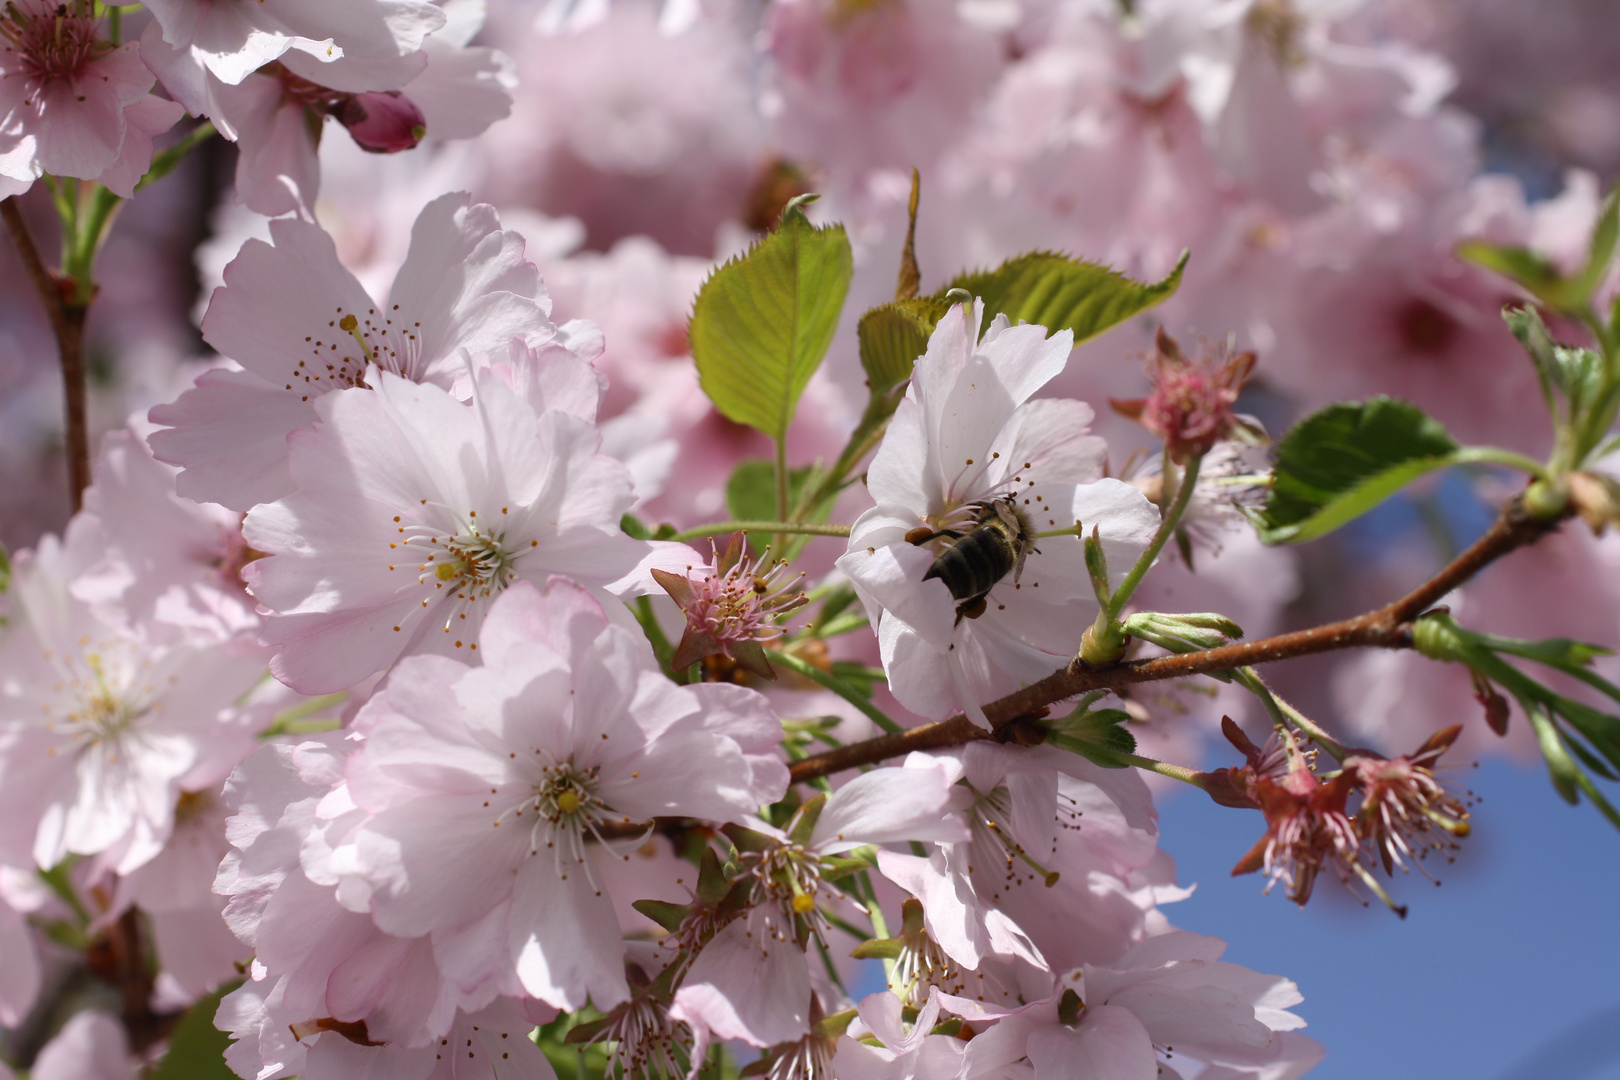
50 42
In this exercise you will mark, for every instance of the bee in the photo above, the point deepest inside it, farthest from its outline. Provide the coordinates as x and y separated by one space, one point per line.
995 545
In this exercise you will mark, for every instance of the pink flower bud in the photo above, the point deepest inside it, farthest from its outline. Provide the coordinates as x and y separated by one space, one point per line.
383 122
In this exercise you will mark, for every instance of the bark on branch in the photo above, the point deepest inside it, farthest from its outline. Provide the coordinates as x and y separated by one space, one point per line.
67 323
1387 627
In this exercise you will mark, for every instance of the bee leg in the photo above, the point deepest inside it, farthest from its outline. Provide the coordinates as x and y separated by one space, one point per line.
921 535
972 609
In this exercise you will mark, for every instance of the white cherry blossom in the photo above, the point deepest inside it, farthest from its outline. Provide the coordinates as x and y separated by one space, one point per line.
967 435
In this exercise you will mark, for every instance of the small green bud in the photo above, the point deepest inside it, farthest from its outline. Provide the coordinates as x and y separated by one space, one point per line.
1104 648
1180 633
1437 636
1545 501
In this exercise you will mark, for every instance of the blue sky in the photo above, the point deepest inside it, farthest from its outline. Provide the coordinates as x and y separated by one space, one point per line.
1510 970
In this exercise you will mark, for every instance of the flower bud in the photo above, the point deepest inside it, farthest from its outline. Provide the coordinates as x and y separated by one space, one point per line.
382 122
1181 633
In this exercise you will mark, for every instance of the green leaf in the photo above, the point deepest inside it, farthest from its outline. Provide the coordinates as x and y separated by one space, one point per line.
669 916
1095 735
762 322
1575 374
892 336
1060 292
751 491
1515 263
1340 462
1605 233
1569 295
197 1048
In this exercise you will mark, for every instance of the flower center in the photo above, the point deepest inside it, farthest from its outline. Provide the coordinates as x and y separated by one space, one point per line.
566 797
338 355
102 707
51 42
478 564
994 843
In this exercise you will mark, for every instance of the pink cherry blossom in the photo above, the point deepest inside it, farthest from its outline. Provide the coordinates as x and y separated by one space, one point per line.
325 981
301 326
903 1054
751 981
151 555
1170 991
91 1046
20 974
439 507
885 85
65 96
195 949
103 728
632 130
499 775
967 438
379 40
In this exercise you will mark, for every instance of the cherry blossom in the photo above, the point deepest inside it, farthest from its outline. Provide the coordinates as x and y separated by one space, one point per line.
499 775
328 989
732 608
1307 821
103 728
751 980
441 505
20 976
1171 992
301 326
91 1046
151 555
902 1054
967 439
376 39
67 96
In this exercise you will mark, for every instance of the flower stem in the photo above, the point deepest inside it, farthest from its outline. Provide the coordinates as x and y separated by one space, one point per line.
1186 775
837 686
799 527
1490 455
1285 714
1167 528
67 322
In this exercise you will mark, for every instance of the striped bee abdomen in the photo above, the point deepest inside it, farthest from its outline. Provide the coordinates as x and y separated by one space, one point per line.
971 567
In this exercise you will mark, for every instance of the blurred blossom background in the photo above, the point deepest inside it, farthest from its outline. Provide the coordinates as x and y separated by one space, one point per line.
1320 158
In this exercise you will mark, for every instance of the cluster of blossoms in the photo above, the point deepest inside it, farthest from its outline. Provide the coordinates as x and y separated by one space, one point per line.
479 845
78 103
378 707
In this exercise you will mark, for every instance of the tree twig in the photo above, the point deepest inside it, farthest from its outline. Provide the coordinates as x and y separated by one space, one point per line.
1387 627
67 322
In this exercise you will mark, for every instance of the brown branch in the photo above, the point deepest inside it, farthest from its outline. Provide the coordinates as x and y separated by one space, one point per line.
1387 627
67 322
